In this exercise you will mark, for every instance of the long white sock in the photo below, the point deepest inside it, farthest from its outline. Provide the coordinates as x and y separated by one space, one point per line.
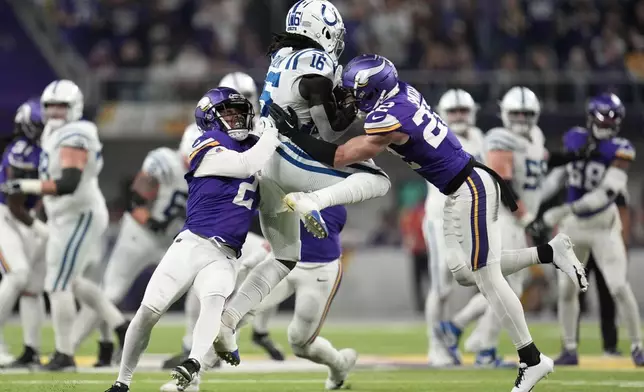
207 326
137 338
512 261
320 351
488 330
504 302
434 312
86 320
63 312
629 312
9 292
256 287
260 323
353 189
106 333
476 306
192 314
88 292
32 315
567 311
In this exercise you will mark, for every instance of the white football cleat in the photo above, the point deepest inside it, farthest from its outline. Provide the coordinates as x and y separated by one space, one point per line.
565 260
338 376
309 213
5 357
173 386
529 376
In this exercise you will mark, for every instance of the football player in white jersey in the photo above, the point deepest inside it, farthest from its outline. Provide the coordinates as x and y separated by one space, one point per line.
156 215
458 109
303 74
516 151
76 212
591 217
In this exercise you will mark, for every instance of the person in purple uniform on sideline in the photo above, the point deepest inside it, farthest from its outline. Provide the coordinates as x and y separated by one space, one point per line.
23 237
399 119
222 199
591 217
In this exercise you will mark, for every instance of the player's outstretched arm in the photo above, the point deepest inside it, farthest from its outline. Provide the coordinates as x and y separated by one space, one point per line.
219 161
16 202
614 181
72 160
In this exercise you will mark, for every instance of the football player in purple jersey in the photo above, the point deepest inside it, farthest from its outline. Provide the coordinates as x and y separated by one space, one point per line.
222 199
399 119
591 217
23 237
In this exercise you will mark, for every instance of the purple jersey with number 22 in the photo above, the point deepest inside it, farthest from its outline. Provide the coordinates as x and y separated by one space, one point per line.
432 150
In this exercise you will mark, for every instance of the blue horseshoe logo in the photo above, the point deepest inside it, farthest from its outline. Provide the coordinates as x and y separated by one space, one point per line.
328 22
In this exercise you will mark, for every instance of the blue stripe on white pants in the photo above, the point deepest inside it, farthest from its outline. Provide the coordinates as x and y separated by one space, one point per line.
478 220
88 222
67 249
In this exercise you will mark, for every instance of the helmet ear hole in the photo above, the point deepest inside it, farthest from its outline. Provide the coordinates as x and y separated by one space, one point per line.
328 35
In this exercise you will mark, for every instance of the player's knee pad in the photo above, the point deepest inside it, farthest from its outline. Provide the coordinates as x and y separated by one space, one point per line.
148 312
300 333
464 276
617 289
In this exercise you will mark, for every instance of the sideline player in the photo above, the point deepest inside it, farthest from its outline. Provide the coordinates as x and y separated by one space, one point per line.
303 74
399 119
23 237
458 109
591 218
157 213
76 212
314 281
222 198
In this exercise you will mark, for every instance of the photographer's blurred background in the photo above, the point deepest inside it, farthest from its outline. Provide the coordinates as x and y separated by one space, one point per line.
143 64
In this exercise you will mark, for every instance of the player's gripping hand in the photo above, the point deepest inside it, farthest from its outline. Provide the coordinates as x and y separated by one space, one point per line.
286 123
11 187
553 216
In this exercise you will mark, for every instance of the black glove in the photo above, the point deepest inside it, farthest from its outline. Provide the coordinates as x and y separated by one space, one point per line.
286 123
536 229
344 97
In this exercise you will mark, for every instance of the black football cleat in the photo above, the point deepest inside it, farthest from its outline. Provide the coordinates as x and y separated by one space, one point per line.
118 387
120 333
175 361
60 362
29 359
105 353
264 341
185 373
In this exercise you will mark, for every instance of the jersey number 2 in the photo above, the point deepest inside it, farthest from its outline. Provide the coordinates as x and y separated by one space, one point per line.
424 115
240 198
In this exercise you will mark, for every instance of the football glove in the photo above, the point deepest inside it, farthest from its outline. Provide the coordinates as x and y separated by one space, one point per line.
11 187
286 123
553 216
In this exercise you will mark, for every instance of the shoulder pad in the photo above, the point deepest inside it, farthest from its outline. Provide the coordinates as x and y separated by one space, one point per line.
204 143
156 164
380 122
501 139
575 139
624 149
311 62
78 134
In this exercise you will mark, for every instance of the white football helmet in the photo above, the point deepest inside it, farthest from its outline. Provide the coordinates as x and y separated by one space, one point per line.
245 85
191 134
320 21
520 110
63 92
458 109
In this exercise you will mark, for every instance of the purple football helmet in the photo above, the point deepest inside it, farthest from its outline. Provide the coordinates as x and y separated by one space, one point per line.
370 77
605 114
225 109
28 121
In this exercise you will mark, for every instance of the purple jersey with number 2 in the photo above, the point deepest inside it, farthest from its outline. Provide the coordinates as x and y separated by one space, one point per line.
22 155
432 150
220 207
584 176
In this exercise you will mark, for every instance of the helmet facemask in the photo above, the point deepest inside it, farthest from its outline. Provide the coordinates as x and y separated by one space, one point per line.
604 125
236 118
520 121
459 119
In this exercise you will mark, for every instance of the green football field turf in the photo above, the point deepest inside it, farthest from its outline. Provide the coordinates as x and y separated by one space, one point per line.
402 346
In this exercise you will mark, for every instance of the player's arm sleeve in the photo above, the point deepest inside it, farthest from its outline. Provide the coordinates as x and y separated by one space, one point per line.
74 146
330 120
219 161
553 182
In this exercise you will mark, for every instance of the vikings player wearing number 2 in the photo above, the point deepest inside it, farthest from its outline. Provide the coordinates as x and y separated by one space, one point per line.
157 213
591 217
399 119
222 199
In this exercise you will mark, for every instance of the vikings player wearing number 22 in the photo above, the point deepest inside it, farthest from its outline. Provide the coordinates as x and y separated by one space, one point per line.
399 119
222 199
591 217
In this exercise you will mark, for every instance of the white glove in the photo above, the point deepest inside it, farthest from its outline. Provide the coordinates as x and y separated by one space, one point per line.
11 187
337 78
553 216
